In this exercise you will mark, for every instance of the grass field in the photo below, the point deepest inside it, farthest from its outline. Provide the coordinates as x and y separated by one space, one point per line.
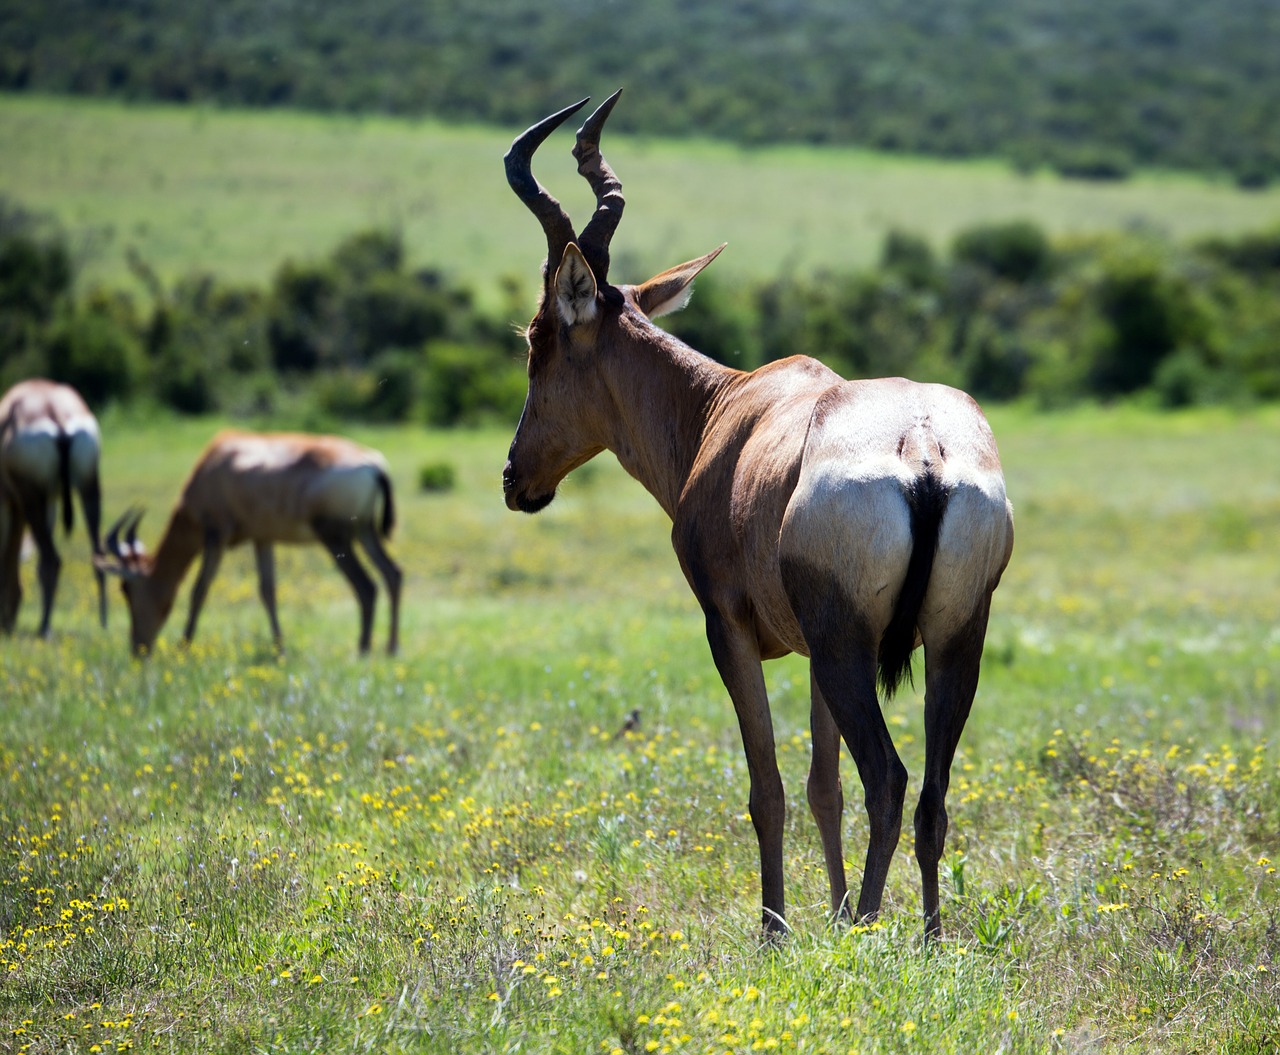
236 193
450 851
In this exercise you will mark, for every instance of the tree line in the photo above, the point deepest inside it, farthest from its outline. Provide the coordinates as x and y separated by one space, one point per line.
1004 313
1088 87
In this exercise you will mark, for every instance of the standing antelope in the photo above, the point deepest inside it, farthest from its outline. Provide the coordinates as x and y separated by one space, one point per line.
49 446
264 489
847 521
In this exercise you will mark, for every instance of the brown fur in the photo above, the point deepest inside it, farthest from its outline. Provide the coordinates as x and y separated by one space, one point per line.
809 514
265 489
49 447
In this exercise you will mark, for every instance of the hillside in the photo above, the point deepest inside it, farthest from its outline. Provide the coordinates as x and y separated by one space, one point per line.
1090 87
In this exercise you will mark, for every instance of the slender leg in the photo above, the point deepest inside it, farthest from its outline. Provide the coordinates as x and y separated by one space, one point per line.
212 557
737 658
826 797
40 513
91 502
391 575
338 540
951 680
11 526
265 556
846 676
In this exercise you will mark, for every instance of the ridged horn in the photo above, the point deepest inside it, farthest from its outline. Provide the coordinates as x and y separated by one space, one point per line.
519 160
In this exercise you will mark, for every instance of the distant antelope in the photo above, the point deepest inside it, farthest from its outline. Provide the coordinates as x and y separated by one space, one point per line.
264 489
848 521
49 446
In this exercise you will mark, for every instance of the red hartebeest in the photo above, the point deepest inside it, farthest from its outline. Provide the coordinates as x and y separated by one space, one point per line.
264 489
49 446
848 521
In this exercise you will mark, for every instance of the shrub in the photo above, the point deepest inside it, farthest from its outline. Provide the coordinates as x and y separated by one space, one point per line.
1148 312
1018 251
390 310
33 274
911 258
302 319
96 350
437 477
717 324
397 385
467 384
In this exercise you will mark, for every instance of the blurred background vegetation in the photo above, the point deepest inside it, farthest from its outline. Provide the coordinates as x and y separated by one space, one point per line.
1088 86
1089 90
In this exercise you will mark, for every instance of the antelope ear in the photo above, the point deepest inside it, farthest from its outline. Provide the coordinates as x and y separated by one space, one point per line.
110 566
128 568
575 287
671 290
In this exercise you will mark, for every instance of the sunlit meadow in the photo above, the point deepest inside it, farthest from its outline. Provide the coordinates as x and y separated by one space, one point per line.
460 849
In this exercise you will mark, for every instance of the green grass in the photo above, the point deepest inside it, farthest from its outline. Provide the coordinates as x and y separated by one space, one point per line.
451 852
236 193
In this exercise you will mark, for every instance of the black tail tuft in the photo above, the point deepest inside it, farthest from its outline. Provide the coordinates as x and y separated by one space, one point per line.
388 505
927 499
64 476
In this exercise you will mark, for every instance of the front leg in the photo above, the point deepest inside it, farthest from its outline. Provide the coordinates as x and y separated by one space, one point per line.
737 658
265 555
209 561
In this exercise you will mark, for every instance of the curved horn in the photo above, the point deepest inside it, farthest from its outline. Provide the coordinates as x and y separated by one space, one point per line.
131 536
129 524
113 536
595 238
518 161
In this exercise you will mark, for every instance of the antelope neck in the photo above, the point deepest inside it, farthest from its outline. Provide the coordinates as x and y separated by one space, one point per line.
665 396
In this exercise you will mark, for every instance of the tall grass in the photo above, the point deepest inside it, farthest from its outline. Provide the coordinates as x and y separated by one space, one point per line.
235 193
456 850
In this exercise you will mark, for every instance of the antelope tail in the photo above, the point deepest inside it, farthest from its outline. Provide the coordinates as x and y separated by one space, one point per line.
388 505
64 476
927 499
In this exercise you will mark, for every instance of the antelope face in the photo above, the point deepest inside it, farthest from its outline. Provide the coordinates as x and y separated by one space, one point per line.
556 432
147 614
560 426
126 559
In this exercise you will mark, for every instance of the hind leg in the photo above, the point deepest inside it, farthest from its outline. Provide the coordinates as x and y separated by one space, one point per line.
846 675
951 680
338 540
826 797
11 527
39 515
391 575
91 502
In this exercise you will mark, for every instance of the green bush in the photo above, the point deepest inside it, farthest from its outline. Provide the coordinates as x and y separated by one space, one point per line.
437 477
912 259
1148 312
96 350
468 385
1018 251
35 271
302 317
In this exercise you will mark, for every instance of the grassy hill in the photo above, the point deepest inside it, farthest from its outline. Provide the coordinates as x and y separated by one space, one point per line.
237 192
1094 86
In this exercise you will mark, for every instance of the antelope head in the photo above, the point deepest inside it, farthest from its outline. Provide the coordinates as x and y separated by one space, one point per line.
582 320
129 561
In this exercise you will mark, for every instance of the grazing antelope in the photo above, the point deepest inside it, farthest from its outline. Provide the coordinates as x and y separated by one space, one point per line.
847 521
264 489
49 446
